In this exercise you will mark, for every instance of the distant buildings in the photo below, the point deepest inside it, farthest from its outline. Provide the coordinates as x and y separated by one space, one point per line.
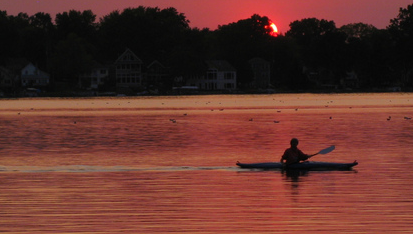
96 77
128 75
261 70
22 78
32 76
220 75
128 70
7 78
156 74
350 81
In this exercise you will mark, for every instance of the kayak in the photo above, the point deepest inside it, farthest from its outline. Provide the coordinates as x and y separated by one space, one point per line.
308 165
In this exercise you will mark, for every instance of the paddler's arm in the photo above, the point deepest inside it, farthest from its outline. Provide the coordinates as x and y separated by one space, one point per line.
302 156
309 156
283 157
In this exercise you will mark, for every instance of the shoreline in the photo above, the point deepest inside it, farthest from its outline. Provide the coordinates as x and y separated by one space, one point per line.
201 102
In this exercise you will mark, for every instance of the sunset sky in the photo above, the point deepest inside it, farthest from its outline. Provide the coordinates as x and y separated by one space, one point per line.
211 13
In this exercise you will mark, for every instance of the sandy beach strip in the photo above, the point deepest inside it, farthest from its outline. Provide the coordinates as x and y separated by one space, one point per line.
208 102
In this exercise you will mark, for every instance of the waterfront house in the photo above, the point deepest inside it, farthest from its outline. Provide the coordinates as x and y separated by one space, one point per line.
32 76
128 70
7 79
220 75
350 81
156 74
97 76
261 71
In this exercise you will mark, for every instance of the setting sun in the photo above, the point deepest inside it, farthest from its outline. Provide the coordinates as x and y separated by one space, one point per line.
273 28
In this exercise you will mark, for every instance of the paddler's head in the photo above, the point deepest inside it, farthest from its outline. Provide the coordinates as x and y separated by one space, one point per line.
294 142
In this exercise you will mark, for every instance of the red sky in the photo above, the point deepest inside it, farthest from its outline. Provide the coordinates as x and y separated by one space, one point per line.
211 13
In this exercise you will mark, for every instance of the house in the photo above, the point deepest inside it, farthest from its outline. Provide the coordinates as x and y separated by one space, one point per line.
351 81
220 75
261 70
7 79
31 76
19 75
321 77
97 76
128 70
156 74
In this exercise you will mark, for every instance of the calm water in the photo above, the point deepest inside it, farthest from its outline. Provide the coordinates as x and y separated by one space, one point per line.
156 165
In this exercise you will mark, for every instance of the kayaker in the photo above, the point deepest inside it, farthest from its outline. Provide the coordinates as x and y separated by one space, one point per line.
293 154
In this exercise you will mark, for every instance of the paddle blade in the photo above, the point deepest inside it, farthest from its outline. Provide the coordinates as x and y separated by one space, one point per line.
327 150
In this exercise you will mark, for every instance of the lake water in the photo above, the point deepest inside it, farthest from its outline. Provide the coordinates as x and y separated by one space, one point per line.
167 164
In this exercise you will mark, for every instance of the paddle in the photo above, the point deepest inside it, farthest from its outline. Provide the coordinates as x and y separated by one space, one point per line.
324 151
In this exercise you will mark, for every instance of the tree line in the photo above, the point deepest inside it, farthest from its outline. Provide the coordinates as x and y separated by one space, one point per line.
70 45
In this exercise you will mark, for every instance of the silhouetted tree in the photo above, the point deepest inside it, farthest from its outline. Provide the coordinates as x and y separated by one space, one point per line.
42 21
367 53
150 32
321 47
401 31
238 42
189 57
25 37
378 63
358 31
44 30
307 30
81 23
287 69
36 39
67 47
9 37
70 59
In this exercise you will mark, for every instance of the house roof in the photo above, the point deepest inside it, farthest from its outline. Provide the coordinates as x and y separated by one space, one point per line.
220 65
132 57
156 62
40 73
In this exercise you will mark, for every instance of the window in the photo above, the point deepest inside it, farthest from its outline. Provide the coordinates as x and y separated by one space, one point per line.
228 75
229 85
212 75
